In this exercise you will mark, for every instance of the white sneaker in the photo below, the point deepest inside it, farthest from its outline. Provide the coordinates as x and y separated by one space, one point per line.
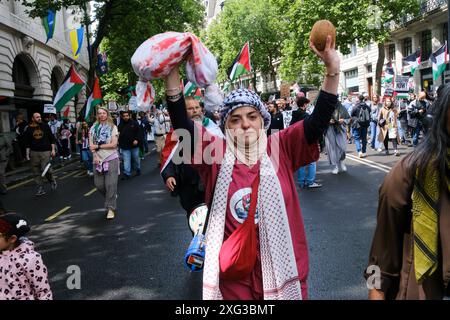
343 166
380 150
397 154
335 170
360 154
110 214
364 155
90 173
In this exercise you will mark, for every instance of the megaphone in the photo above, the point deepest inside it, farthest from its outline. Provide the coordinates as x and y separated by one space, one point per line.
195 255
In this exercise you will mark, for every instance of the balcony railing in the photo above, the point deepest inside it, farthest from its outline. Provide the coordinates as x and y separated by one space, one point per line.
431 5
426 7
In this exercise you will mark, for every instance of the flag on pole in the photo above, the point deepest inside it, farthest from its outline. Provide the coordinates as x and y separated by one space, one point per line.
189 89
49 24
241 63
65 112
414 60
198 94
388 73
71 85
94 99
76 40
439 60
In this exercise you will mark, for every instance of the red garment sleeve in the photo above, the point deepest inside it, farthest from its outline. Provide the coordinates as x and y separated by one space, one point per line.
294 146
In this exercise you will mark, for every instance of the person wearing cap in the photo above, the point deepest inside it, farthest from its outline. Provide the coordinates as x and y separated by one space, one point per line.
103 140
230 168
24 274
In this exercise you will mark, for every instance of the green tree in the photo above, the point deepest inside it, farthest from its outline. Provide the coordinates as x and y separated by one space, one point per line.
255 21
358 21
126 24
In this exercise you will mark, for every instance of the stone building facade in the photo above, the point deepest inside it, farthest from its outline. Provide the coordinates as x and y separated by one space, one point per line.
31 71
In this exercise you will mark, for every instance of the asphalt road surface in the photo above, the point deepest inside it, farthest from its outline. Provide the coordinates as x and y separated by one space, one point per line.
139 255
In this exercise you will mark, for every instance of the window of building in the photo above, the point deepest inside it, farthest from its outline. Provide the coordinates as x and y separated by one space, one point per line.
407 47
426 44
369 68
353 51
351 80
368 47
391 52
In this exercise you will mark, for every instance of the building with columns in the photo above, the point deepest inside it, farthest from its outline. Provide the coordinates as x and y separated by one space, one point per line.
427 30
31 71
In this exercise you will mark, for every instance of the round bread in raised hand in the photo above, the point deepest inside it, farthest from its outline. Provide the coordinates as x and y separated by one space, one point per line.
319 33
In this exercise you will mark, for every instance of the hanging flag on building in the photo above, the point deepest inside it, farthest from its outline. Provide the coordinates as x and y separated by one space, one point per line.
102 63
49 24
95 98
439 60
414 60
76 40
241 64
389 73
69 88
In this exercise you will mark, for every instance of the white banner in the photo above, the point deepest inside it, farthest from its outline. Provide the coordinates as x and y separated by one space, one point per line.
49 108
401 84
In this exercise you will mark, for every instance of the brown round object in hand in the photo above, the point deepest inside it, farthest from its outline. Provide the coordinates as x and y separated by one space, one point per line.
319 33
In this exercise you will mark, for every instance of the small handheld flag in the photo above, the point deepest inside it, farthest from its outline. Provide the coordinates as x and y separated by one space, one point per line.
241 63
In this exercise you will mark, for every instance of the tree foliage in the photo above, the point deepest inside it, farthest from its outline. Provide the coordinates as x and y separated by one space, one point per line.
255 21
124 25
358 21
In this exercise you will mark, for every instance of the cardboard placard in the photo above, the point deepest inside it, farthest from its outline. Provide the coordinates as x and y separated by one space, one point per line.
401 84
285 90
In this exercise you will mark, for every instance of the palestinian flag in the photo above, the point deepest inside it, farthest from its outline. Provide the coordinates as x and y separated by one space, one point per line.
65 112
198 94
94 99
189 89
241 64
414 60
172 142
69 88
388 73
439 61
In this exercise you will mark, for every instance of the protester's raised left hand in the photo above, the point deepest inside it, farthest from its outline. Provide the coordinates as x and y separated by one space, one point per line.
329 56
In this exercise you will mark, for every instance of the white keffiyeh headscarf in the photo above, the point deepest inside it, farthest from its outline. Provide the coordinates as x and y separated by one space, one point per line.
279 268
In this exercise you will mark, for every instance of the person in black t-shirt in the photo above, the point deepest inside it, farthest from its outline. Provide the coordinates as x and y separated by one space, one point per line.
40 148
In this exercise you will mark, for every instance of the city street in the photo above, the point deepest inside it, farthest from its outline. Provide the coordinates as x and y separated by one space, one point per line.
139 255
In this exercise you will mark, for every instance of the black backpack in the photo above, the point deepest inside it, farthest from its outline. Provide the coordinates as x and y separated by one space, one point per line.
364 115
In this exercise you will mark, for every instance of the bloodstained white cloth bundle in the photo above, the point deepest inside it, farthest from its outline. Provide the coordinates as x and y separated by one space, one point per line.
157 56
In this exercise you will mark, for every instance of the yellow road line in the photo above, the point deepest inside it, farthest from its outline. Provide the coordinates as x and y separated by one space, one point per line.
90 192
80 174
19 184
57 214
68 175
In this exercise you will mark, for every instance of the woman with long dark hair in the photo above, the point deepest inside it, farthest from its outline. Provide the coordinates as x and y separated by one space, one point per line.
411 245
